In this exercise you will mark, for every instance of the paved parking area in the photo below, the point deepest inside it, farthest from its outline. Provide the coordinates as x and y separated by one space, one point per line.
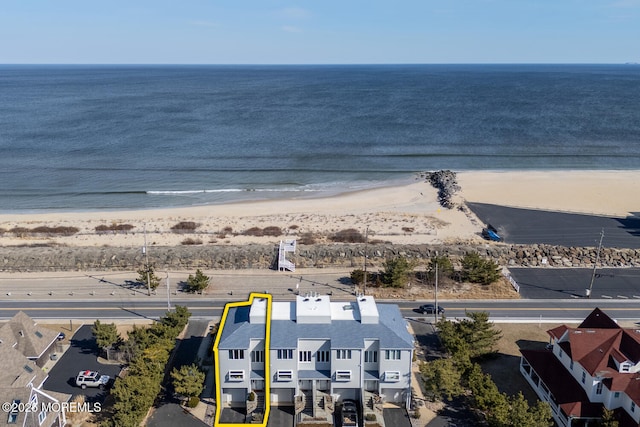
529 226
609 283
281 416
396 417
232 415
82 354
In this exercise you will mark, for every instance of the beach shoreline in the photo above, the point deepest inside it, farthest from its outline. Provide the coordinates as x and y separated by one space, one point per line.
398 214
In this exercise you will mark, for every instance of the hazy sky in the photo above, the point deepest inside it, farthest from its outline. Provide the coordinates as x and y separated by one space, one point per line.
319 31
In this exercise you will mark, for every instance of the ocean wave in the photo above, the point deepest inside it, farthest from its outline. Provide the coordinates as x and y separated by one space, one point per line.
231 190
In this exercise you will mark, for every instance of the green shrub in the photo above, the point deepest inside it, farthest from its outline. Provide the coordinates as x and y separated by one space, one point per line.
251 397
370 417
193 401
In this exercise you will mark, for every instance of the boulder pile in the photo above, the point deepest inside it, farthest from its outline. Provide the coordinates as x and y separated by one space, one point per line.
446 183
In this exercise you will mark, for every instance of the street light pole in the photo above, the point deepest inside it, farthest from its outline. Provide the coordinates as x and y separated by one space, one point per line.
146 259
168 293
595 265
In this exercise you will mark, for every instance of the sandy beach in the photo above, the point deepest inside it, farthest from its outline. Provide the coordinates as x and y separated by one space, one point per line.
400 214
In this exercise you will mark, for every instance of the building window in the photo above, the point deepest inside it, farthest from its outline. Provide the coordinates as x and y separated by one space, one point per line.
371 356
392 376
236 375
559 353
42 416
257 356
305 356
284 375
571 365
343 375
584 377
392 354
633 406
624 367
236 354
616 395
323 356
599 388
343 354
13 415
285 354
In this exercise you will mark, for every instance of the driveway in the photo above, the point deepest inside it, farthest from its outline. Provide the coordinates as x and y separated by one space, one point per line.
396 417
281 416
82 355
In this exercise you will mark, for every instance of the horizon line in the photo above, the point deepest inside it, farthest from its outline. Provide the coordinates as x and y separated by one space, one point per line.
301 64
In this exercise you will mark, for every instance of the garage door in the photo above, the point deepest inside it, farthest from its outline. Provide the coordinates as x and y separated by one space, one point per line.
282 396
393 394
234 396
346 393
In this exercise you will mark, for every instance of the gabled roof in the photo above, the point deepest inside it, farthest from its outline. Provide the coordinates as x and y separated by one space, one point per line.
17 370
597 319
27 336
597 344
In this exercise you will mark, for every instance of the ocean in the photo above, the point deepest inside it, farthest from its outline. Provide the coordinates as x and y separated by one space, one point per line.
135 137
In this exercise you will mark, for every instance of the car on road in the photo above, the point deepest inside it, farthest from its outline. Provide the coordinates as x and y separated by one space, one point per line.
430 309
349 413
92 379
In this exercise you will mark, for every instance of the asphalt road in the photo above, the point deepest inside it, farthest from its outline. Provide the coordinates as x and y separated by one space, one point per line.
501 310
528 226
609 283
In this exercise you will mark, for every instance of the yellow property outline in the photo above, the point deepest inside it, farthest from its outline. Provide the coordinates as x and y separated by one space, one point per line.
267 367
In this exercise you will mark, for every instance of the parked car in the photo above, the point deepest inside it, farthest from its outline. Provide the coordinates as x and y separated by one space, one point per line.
61 336
430 309
92 379
349 413
490 233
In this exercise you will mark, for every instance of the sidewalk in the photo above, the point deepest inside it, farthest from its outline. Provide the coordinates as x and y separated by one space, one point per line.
122 285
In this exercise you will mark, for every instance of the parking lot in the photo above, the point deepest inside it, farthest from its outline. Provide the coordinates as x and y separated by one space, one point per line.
609 283
81 355
530 226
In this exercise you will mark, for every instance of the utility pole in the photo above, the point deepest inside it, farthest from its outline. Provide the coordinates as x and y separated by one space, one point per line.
146 259
595 265
435 309
366 240
168 293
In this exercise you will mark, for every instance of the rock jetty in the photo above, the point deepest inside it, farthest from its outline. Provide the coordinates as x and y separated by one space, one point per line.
446 182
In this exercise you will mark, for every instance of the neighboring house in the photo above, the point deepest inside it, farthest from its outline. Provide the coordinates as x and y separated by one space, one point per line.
587 368
318 347
34 342
21 378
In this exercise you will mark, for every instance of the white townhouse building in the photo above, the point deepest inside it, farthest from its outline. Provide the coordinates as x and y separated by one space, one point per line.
318 347
587 368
